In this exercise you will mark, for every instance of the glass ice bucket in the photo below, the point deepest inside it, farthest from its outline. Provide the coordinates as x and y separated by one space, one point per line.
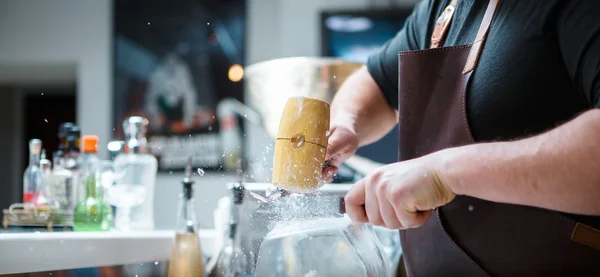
322 247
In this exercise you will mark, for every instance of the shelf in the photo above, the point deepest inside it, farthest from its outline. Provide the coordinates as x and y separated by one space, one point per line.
40 251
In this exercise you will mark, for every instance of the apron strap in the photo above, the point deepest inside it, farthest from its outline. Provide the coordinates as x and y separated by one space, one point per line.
481 36
442 24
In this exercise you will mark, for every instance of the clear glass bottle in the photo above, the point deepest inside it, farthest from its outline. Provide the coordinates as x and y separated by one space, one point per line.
62 185
135 172
91 214
186 254
233 260
32 175
43 197
72 163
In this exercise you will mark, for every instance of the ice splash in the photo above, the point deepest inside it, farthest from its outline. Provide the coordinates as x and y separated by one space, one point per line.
282 205
258 197
200 171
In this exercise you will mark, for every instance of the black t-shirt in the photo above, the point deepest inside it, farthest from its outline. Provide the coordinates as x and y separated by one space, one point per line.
540 65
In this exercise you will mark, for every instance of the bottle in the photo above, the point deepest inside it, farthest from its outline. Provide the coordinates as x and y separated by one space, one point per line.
232 260
32 175
43 198
62 185
91 214
230 134
136 175
72 163
63 131
186 254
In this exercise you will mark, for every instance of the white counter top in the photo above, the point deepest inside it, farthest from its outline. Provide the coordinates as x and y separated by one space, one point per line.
34 252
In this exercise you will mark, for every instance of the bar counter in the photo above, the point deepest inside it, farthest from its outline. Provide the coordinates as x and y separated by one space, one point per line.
48 251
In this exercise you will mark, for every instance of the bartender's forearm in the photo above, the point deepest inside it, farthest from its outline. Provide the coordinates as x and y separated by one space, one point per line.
557 170
360 105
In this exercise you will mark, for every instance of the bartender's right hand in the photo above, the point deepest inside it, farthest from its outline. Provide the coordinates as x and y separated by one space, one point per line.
342 144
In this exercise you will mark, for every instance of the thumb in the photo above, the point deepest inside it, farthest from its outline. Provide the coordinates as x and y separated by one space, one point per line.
334 144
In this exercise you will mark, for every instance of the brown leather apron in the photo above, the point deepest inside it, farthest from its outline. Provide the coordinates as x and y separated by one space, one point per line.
469 236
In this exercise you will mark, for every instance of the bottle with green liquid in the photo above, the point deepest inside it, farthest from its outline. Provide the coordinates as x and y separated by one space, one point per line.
91 213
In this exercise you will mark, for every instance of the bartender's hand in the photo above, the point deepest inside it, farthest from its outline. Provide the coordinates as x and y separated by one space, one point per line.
342 144
399 195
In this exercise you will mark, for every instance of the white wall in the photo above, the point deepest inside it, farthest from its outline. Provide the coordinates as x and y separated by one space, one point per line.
67 32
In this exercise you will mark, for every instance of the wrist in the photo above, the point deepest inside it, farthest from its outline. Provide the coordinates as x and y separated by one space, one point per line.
451 164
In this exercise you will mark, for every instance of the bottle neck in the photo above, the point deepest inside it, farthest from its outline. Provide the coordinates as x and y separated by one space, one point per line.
34 159
137 144
90 167
186 219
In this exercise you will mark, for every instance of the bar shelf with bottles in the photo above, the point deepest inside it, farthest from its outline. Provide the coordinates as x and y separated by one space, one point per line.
76 190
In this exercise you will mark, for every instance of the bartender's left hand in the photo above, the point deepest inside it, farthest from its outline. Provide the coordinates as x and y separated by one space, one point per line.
399 195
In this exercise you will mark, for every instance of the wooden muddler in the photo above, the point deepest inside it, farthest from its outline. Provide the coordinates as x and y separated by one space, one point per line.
301 145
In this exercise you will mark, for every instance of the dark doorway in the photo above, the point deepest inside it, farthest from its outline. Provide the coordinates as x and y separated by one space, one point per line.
43 112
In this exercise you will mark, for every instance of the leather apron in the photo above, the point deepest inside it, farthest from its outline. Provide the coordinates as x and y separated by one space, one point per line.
469 236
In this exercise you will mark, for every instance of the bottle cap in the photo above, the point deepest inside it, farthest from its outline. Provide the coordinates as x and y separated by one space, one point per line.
64 128
135 129
135 125
90 143
74 131
35 146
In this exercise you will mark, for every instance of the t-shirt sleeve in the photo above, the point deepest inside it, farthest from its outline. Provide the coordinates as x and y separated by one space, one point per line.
578 30
383 65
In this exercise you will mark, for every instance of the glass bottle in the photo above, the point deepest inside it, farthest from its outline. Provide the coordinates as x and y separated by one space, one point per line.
63 132
186 254
62 183
72 163
135 177
233 261
91 214
43 198
32 175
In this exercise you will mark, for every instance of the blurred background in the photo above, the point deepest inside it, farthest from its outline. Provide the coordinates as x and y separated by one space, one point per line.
97 62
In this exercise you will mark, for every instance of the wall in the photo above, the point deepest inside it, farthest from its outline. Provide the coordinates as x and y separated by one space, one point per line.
66 32
59 32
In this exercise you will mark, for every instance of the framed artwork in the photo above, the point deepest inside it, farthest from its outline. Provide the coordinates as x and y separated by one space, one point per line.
173 62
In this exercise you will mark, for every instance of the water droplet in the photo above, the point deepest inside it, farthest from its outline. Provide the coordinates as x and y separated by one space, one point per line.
327 133
200 171
223 156
245 115
190 135
155 263
333 77
42 93
471 208
46 120
148 23
207 23
170 172
210 127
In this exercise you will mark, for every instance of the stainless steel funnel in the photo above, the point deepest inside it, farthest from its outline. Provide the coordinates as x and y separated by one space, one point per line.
270 84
